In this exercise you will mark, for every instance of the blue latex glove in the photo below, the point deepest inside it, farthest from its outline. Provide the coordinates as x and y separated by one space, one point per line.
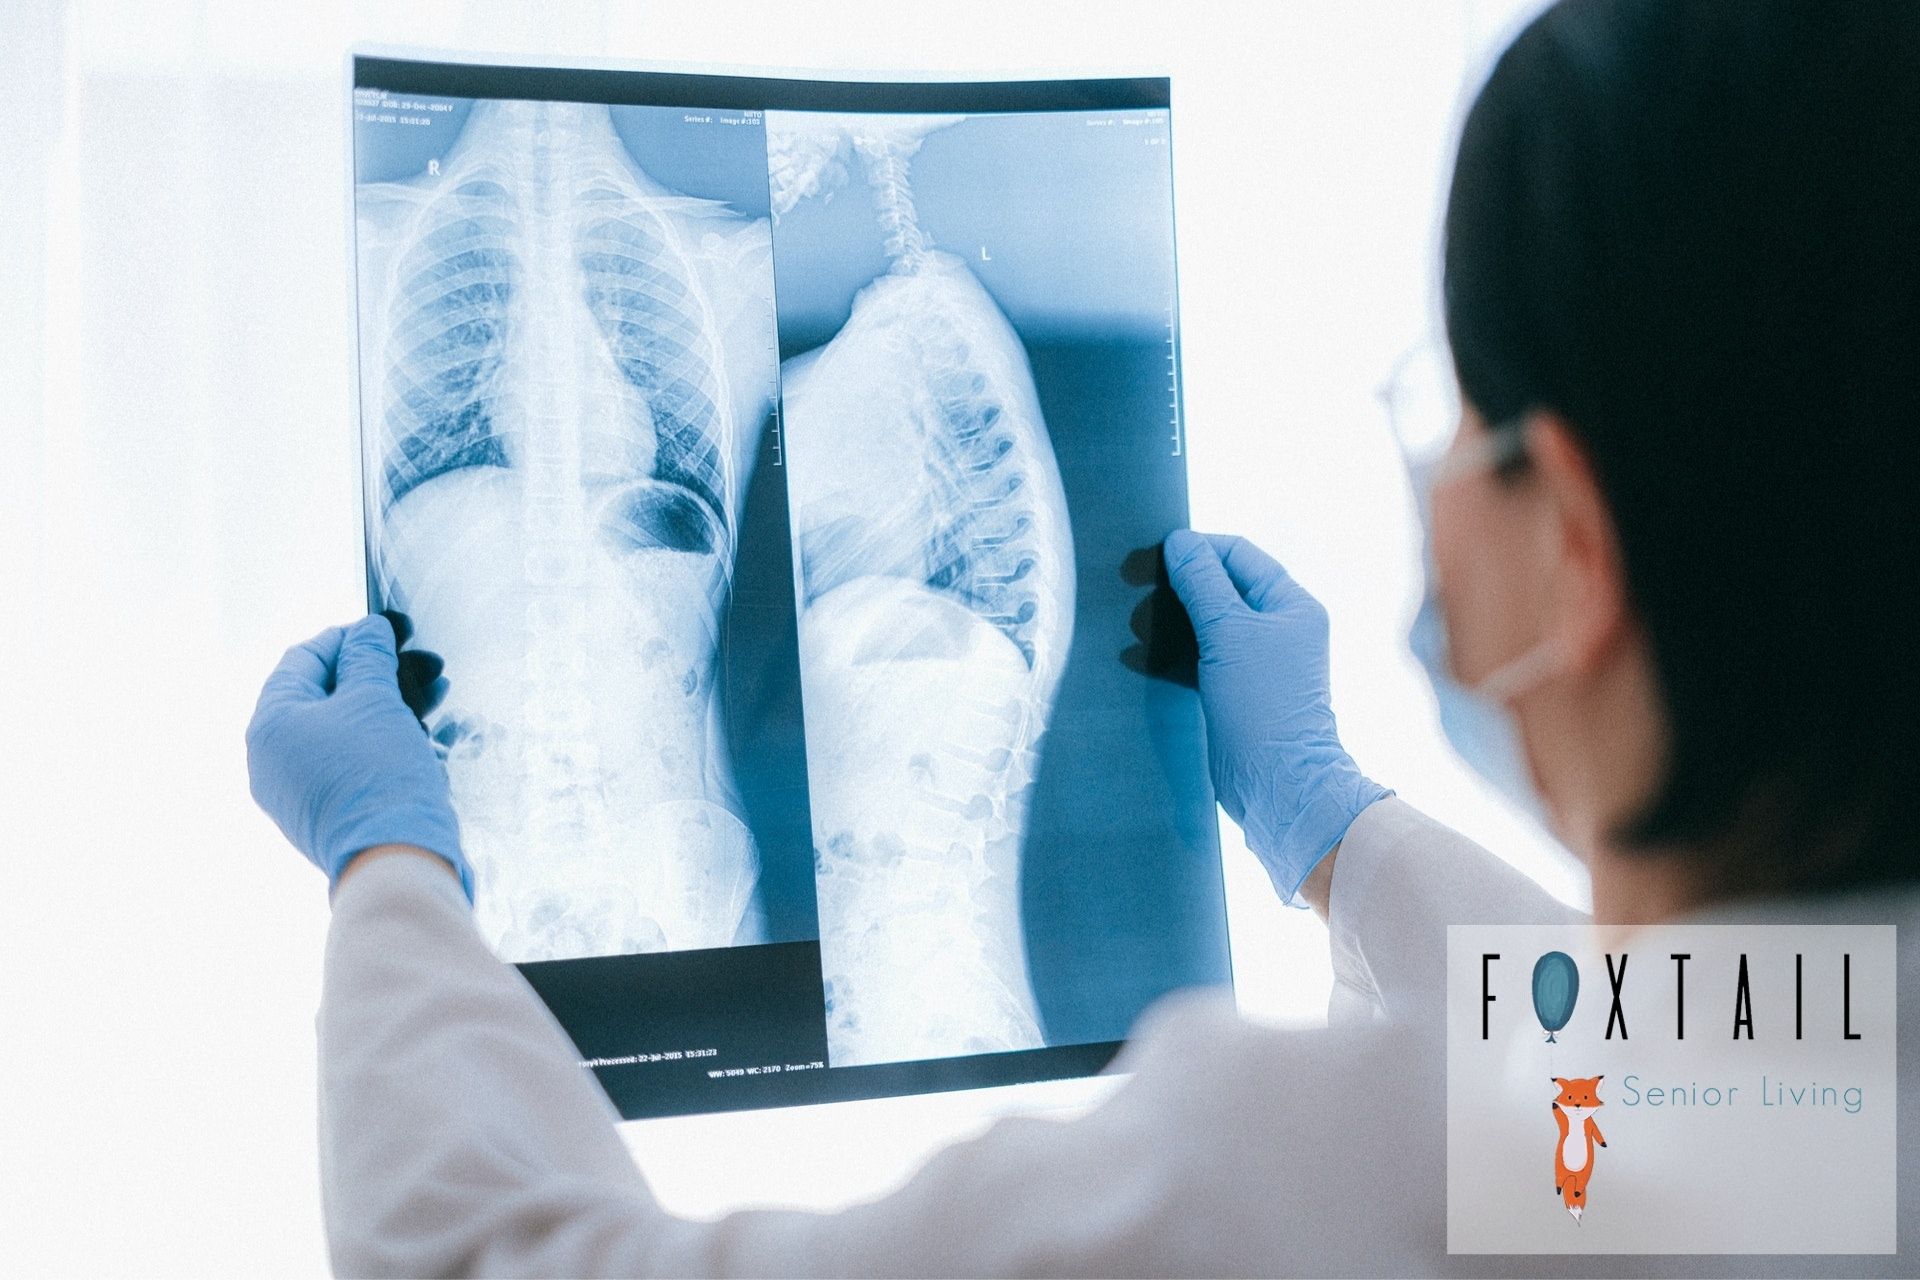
339 762
1272 747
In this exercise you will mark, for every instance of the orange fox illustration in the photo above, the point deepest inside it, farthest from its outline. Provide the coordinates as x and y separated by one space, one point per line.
1573 1154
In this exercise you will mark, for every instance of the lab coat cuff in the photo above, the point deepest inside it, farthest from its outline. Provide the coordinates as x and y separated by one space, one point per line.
1361 875
1320 825
410 877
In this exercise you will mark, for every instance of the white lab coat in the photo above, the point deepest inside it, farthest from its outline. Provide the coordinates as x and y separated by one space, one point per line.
458 1133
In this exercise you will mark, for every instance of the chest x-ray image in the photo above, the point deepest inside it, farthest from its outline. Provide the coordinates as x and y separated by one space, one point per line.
774 464
567 368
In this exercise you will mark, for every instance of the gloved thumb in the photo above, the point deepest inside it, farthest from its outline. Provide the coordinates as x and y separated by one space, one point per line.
1260 579
368 654
1198 577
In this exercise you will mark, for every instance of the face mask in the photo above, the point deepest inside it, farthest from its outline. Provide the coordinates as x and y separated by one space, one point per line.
1477 721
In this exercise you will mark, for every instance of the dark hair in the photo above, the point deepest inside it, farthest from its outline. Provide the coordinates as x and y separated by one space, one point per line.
1692 230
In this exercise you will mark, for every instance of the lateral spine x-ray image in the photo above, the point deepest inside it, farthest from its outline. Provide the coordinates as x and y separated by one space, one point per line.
774 481
572 368
936 580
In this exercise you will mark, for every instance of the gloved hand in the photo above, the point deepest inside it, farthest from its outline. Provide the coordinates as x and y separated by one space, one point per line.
339 761
1275 755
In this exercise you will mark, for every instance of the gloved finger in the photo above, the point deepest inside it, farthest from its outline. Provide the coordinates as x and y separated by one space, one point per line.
1167 649
1144 567
367 654
1262 581
429 697
402 627
419 675
1199 579
419 668
306 671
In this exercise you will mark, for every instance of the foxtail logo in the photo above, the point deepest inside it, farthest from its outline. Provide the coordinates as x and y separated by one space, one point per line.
1573 1155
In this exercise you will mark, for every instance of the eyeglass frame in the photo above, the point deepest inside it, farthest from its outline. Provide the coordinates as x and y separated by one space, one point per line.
1502 448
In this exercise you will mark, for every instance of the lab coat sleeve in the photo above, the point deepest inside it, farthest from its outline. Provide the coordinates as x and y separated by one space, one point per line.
1399 880
459 1136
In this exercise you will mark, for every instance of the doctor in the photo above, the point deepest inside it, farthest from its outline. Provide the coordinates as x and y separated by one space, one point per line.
1683 301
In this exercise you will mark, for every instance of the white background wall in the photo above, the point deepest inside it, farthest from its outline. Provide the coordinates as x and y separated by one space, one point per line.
179 480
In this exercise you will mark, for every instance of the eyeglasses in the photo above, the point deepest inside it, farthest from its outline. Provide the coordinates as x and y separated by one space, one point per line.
1421 396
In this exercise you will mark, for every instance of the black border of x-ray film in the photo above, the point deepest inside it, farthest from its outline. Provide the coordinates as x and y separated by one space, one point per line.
742 1028
677 89
637 1095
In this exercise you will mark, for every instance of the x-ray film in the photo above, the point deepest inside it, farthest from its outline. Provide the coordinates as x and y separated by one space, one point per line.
779 467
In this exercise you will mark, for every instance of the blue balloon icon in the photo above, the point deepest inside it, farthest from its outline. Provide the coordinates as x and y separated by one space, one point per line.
1556 988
